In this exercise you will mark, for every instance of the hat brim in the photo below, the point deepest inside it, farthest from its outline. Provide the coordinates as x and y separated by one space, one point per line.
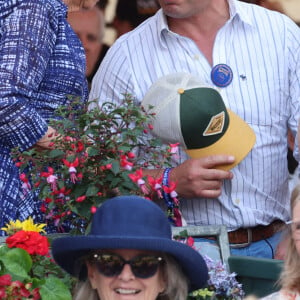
68 250
238 140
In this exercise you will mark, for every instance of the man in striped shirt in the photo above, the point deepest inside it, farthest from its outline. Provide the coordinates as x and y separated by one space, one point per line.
262 48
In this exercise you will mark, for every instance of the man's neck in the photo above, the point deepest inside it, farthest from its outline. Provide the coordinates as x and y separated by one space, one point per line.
207 21
202 27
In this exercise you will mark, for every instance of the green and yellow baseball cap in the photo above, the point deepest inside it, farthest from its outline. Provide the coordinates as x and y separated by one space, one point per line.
194 115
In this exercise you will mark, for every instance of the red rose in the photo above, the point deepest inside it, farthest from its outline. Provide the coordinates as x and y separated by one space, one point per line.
31 241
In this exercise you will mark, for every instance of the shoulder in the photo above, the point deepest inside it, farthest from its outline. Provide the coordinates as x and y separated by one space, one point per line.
267 23
50 7
41 10
261 15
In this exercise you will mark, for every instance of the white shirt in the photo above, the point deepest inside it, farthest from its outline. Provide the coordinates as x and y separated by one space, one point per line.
262 47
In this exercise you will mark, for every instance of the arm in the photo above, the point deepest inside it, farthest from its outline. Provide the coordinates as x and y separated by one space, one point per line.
293 54
27 40
197 178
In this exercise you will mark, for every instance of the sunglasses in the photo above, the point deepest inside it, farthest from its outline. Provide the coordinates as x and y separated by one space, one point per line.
142 266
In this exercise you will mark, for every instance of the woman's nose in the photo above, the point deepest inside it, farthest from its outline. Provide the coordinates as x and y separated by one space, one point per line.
126 273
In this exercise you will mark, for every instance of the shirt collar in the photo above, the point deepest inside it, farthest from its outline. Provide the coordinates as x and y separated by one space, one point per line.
237 9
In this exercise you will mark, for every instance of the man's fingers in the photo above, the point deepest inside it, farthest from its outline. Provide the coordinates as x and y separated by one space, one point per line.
213 161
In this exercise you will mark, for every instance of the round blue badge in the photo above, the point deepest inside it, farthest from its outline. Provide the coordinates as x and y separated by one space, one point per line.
221 75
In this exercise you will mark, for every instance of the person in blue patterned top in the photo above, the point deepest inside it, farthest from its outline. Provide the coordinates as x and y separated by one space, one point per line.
41 62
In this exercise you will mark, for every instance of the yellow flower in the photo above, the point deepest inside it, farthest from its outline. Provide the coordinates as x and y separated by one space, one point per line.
27 225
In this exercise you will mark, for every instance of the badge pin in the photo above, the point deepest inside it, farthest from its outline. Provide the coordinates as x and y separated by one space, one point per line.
221 75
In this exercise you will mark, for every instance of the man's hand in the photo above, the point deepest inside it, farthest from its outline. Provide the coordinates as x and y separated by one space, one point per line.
200 177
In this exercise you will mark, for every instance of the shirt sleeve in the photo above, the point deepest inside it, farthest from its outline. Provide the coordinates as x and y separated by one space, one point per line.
27 40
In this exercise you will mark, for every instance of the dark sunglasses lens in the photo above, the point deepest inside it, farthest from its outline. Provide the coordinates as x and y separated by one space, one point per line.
145 266
109 265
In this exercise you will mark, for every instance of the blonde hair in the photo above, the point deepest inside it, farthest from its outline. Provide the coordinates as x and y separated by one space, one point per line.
176 283
85 291
290 276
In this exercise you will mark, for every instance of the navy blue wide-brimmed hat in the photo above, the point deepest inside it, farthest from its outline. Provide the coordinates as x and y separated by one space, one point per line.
130 222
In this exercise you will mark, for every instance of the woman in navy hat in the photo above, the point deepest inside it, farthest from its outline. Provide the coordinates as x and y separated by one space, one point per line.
130 254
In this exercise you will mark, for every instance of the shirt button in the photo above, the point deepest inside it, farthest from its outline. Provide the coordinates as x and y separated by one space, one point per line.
237 201
196 57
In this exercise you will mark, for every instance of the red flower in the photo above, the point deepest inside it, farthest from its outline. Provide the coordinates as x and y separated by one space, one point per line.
5 280
3 294
36 294
80 146
130 155
72 168
80 198
137 177
30 241
93 209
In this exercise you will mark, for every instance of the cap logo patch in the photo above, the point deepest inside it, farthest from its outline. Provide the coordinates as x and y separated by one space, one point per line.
215 125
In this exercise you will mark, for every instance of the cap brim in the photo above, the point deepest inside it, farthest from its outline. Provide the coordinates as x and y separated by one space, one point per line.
68 250
238 140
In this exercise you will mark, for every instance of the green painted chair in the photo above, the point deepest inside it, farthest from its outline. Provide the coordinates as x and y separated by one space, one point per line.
258 275
217 231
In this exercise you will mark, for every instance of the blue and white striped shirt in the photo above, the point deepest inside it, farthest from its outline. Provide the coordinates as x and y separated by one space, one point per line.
262 47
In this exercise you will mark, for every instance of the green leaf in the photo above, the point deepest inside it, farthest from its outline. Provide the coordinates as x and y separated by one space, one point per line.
17 262
91 191
56 153
115 167
54 289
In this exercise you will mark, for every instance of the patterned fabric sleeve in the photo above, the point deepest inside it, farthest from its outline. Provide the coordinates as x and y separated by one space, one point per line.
27 39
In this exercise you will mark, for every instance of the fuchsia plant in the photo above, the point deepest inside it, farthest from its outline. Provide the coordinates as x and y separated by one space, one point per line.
97 154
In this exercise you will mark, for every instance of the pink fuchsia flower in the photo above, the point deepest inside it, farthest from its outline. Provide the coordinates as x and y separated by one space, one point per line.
72 168
171 191
156 185
61 193
25 183
137 177
125 164
51 178
174 149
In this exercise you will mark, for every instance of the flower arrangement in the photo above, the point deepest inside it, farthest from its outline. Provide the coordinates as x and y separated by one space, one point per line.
26 268
97 153
221 284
